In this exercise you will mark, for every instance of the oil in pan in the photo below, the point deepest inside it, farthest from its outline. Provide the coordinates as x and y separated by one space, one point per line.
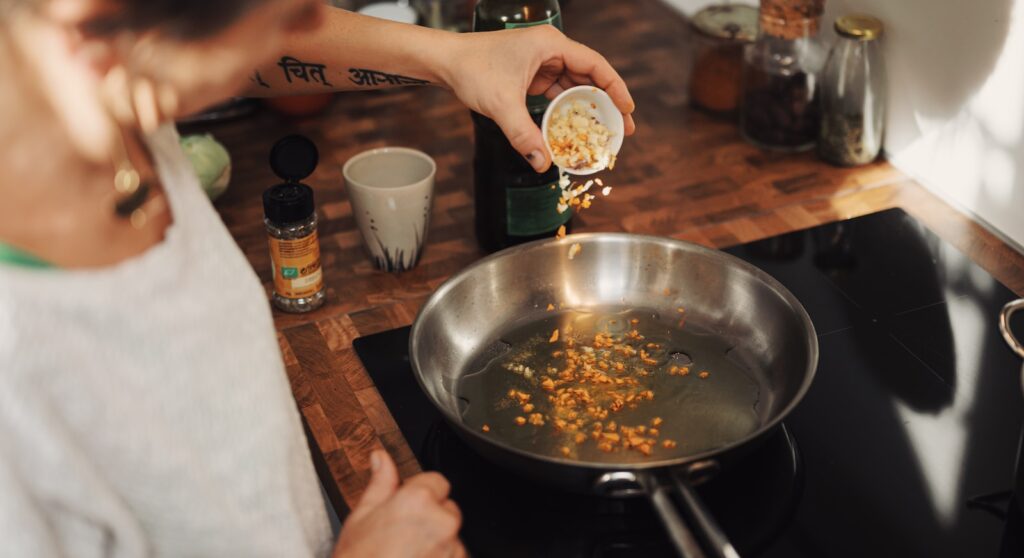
607 377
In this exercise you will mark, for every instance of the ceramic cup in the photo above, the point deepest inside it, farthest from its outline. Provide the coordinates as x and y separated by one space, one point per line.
391 190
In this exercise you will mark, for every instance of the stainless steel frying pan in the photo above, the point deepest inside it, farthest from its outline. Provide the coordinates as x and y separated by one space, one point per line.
721 294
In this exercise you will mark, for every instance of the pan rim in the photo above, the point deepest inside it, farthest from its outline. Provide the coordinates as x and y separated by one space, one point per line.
600 466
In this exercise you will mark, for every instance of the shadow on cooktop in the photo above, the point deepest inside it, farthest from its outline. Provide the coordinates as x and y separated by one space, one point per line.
874 280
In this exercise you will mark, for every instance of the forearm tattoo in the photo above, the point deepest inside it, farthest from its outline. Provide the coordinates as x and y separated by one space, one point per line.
258 79
296 70
309 72
372 78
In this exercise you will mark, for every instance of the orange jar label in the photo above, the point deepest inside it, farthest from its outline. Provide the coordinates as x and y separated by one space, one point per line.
296 266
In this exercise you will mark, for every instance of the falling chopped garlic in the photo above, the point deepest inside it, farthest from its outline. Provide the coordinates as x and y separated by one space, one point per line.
575 195
554 336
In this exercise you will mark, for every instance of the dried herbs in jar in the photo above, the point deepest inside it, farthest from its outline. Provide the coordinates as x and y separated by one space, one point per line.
853 96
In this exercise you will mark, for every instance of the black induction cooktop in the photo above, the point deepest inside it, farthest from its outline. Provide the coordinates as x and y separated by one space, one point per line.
904 446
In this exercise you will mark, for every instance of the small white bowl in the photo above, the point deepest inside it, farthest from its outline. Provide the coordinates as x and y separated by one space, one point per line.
607 113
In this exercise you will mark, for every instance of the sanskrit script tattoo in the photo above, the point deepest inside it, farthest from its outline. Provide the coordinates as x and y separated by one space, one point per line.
308 72
372 78
258 79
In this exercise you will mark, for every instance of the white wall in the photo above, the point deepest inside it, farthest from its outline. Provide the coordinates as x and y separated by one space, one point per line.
956 90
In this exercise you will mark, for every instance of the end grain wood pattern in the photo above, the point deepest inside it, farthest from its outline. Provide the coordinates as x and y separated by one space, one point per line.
685 175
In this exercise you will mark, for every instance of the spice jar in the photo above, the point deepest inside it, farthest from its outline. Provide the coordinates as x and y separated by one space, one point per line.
779 108
290 218
853 94
720 34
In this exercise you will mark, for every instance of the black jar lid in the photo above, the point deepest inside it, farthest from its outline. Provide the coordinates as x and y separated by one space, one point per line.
292 158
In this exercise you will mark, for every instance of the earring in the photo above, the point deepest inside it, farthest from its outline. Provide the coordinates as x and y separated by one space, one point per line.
132 105
137 103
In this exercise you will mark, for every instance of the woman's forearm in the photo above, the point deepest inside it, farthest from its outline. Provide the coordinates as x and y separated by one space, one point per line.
491 73
350 51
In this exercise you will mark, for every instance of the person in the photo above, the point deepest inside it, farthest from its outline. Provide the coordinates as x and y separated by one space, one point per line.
144 405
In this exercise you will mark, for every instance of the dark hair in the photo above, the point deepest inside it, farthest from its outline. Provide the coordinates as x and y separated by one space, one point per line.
184 19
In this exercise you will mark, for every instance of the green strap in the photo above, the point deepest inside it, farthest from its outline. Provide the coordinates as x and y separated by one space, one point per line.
9 255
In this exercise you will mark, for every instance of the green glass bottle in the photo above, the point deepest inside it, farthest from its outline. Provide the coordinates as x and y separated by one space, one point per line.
514 204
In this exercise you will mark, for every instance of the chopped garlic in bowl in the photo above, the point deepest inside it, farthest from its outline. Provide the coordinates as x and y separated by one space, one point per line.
583 130
577 138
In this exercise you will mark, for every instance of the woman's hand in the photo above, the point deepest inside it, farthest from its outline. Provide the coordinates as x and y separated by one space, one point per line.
492 73
416 520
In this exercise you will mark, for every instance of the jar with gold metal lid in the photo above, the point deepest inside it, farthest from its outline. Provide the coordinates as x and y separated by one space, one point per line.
853 94
720 34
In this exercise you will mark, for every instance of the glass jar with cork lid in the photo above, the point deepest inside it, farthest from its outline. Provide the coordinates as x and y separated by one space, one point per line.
779 106
720 34
853 94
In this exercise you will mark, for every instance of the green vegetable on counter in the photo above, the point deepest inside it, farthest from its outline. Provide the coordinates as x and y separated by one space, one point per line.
211 161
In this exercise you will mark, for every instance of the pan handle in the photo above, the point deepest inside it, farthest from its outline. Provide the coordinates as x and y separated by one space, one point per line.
708 526
657 488
1004 325
629 483
680 534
